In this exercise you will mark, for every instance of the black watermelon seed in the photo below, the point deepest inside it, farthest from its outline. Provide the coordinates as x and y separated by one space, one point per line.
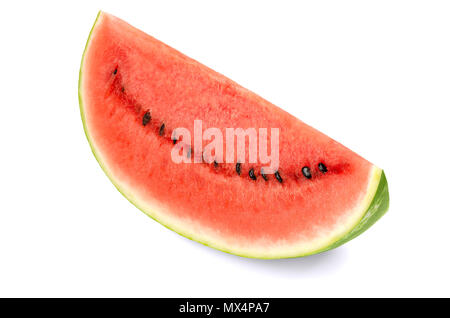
161 129
306 172
264 176
174 140
215 164
147 117
115 71
251 173
238 168
277 175
322 168
123 89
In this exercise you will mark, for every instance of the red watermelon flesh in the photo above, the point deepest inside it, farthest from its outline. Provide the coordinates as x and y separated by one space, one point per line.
134 91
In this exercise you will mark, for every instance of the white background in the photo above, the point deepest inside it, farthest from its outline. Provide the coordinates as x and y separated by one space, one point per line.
373 75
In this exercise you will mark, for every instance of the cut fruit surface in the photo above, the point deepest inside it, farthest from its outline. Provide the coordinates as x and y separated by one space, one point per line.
134 91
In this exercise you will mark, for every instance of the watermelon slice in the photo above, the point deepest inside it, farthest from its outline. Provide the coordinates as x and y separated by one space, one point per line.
135 91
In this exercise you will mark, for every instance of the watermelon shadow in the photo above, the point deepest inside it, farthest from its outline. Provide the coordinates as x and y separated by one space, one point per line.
329 261
322 262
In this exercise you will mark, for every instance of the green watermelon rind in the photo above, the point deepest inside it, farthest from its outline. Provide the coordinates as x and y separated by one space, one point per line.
376 209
